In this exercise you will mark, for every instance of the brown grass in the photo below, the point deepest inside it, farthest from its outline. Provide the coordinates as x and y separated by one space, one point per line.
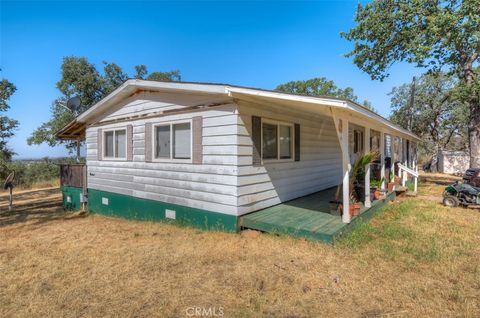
36 186
417 258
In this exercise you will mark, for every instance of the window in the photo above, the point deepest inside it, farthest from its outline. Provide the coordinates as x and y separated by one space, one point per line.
270 145
115 145
277 141
285 142
181 141
162 137
173 141
357 141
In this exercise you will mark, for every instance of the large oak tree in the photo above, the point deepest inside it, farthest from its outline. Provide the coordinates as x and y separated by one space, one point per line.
437 35
432 110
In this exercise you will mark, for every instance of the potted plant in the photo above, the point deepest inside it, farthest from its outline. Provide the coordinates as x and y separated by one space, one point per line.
357 174
376 191
391 184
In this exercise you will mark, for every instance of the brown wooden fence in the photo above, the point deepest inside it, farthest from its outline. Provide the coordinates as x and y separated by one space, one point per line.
73 175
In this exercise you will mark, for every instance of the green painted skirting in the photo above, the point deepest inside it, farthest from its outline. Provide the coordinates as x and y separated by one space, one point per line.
128 207
71 198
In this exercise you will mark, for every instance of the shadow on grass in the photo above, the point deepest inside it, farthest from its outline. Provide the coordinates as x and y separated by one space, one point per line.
443 180
36 207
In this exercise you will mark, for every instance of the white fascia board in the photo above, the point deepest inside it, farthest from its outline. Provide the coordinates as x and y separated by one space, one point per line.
285 96
367 113
120 91
182 86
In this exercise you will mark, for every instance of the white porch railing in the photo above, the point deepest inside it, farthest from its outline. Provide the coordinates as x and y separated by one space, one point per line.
406 170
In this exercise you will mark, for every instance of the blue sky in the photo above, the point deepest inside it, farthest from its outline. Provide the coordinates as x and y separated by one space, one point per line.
257 44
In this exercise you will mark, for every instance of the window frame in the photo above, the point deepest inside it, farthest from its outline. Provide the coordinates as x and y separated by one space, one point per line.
278 123
171 159
104 143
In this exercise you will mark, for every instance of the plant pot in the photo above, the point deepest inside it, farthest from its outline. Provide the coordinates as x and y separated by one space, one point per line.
391 186
377 195
356 209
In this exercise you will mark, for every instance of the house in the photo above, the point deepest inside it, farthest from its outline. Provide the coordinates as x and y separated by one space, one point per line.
208 154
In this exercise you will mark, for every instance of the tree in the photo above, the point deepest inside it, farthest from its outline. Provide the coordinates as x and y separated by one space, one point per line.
81 78
320 86
7 125
435 35
436 115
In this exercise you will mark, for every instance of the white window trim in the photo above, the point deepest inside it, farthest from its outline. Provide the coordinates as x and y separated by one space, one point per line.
292 150
154 142
104 142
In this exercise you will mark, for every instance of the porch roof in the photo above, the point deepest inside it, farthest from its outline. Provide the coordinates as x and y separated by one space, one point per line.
76 128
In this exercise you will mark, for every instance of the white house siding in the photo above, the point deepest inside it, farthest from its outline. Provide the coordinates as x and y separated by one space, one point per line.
319 167
211 185
226 181
149 103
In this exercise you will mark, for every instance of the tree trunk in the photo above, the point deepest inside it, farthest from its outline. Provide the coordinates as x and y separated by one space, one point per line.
469 78
474 135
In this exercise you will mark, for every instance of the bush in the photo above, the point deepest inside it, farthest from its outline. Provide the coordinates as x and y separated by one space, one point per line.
28 173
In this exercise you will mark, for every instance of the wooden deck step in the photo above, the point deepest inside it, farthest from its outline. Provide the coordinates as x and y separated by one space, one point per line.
400 189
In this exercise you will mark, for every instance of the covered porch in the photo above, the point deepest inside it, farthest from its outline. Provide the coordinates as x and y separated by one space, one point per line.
309 217
394 162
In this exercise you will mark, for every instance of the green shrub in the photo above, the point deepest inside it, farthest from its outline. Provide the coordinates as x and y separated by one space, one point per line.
29 172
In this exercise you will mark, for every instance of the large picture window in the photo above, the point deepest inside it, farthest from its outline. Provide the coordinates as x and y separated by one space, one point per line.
115 145
277 141
173 141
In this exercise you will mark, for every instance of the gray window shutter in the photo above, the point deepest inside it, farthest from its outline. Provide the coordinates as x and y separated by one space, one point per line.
129 143
148 142
197 142
99 143
297 142
257 140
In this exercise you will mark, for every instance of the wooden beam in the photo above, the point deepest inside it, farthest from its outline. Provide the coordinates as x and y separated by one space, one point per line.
366 143
382 160
346 172
341 127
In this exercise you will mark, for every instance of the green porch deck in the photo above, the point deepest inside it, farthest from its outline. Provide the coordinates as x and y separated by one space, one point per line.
308 217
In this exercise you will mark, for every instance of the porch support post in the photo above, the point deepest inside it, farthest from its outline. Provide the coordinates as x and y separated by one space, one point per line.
346 172
400 154
341 128
393 156
366 143
382 159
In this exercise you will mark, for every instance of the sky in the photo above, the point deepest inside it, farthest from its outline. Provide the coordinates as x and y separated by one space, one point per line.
255 44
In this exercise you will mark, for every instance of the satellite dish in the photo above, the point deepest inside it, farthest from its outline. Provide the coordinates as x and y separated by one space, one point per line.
8 184
74 103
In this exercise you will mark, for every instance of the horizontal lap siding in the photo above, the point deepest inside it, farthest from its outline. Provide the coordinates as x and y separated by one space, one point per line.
319 167
211 185
147 103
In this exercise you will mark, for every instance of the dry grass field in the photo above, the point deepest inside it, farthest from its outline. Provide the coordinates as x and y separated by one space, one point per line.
417 258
